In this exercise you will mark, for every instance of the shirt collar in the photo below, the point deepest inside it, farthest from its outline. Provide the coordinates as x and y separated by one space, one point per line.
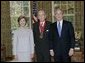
60 21
42 23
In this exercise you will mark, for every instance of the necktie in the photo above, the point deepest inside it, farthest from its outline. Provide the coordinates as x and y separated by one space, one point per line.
41 27
59 29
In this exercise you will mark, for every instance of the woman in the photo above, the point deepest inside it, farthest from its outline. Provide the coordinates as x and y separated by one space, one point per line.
23 43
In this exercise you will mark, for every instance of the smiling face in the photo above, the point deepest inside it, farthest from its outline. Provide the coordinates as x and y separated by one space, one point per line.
41 15
22 22
58 14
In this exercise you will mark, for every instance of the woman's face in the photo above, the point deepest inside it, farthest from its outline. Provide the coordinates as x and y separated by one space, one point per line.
22 22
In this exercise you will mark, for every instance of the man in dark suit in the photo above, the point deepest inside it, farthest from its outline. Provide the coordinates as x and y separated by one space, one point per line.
41 40
62 38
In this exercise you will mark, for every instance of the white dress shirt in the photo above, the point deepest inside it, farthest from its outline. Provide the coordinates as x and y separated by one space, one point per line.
42 23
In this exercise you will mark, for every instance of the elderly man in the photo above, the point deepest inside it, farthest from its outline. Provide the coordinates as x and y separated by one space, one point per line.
41 37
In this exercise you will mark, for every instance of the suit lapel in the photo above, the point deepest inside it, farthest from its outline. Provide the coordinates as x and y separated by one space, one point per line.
38 31
56 28
63 28
46 26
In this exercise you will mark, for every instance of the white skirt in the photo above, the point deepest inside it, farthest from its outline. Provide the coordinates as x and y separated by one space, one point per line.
23 57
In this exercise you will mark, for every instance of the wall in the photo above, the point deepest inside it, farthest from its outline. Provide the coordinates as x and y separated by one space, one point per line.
6 27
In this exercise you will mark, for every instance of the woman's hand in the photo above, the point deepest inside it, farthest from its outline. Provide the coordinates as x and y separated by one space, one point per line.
32 55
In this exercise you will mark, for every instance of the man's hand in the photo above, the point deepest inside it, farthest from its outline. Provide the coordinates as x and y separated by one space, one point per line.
71 51
34 19
51 52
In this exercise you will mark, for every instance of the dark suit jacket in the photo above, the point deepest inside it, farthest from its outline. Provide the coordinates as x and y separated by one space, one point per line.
66 41
41 45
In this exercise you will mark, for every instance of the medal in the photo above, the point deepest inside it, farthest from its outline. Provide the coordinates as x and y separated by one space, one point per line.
41 28
41 35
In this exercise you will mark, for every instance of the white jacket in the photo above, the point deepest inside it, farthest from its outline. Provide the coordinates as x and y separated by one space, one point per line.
23 41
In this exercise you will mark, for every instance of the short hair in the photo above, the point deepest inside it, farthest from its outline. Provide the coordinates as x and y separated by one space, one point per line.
21 17
42 10
57 8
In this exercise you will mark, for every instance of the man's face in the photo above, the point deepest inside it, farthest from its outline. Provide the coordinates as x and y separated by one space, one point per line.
58 15
41 16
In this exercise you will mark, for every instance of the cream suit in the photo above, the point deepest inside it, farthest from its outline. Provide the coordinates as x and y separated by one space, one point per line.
23 44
